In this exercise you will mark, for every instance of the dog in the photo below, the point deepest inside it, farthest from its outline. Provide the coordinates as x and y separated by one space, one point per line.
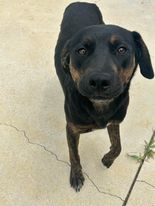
95 64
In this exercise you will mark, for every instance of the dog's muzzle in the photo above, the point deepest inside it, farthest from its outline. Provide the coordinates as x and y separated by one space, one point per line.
100 86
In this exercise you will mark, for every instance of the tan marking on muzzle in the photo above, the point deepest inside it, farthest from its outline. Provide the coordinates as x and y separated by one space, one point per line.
114 68
125 74
75 74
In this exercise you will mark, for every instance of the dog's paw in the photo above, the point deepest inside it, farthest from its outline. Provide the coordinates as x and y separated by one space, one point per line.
107 162
76 179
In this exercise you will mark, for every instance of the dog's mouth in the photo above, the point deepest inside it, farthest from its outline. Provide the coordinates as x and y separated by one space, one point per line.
101 101
102 97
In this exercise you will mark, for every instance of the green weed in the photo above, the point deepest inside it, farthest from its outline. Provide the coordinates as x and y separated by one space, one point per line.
149 151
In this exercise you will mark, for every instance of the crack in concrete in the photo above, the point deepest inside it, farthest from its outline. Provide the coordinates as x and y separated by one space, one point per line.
59 160
33 143
143 181
97 188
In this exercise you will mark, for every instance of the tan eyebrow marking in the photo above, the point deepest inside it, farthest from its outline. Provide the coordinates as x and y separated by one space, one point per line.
114 38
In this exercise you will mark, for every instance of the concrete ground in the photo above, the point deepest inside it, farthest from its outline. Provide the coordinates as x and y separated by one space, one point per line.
34 167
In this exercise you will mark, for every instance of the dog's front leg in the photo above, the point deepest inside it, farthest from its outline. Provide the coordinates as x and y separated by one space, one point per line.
76 176
115 149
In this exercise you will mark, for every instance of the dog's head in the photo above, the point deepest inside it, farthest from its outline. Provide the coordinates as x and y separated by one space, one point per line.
102 60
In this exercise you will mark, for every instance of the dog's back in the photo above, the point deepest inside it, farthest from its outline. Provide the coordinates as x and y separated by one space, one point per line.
76 17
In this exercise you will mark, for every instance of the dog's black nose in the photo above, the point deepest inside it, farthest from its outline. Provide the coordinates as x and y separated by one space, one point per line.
100 82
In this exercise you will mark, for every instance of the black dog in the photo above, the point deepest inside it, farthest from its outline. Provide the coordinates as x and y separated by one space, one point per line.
95 64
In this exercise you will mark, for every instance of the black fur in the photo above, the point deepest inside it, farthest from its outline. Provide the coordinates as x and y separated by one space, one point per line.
96 80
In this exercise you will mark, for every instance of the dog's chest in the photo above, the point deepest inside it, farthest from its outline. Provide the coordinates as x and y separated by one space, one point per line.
95 117
88 115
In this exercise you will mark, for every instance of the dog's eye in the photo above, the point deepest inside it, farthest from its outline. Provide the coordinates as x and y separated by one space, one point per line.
82 51
122 50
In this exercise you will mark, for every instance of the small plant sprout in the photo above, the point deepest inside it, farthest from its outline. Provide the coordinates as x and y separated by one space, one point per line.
149 151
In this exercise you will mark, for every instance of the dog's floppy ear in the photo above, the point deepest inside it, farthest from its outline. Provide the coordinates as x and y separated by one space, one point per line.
65 56
143 56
